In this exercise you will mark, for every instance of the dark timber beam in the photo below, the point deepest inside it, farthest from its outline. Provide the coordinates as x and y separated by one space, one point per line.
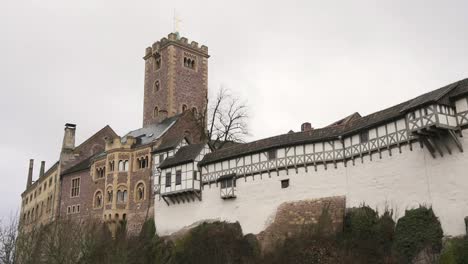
455 139
426 142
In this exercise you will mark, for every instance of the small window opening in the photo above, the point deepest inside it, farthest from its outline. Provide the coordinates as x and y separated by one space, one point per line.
284 183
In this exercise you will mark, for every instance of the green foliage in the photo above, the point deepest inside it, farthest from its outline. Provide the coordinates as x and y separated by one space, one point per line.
217 242
367 238
418 230
455 251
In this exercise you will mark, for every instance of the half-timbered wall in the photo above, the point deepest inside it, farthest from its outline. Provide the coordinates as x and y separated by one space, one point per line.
328 153
433 115
405 177
187 170
462 111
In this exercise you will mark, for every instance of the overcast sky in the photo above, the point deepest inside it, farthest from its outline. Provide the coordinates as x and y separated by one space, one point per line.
293 61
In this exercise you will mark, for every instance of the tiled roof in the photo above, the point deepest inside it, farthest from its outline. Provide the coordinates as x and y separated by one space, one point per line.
168 143
84 165
333 131
184 155
151 132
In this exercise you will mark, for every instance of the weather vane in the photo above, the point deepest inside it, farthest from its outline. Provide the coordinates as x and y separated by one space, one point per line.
176 23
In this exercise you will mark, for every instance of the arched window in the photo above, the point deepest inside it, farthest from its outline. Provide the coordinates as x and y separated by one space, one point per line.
110 195
125 196
185 62
119 196
116 216
140 191
121 165
156 85
125 165
195 111
124 217
184 107
98 199
156 112
192 65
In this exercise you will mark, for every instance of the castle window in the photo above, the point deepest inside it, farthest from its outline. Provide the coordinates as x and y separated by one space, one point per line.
156 112
122 196
98 200
184 107
156 85
68 209
140 191
228 184
272 154
168 179
75 187
284 184
364 137
178 177
124 217
123 165
195 111
109 195
111 165
78 208
157 61
189 62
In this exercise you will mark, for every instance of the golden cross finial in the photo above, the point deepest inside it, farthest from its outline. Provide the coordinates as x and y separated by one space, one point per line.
176 22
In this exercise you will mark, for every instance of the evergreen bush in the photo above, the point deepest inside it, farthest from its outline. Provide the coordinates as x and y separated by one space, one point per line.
418 230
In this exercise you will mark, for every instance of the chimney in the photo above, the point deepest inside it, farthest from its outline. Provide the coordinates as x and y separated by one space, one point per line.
41 172
69 137
30 173
306 127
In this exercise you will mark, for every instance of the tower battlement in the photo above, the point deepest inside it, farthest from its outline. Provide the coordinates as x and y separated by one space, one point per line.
173 39
176 78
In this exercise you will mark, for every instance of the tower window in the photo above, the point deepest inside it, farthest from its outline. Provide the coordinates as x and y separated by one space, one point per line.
189 62
157 61
156 112
156 85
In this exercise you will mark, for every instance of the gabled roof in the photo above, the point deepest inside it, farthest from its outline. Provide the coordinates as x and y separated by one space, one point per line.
184 155
340 128
107 127
81 166
168 143
346 120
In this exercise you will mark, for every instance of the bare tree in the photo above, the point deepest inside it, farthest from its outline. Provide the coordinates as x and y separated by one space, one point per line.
8 235
227 119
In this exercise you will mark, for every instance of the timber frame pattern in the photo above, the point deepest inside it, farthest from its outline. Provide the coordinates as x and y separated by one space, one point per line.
432 119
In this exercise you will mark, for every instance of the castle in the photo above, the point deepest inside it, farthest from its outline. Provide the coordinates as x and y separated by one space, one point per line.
397 158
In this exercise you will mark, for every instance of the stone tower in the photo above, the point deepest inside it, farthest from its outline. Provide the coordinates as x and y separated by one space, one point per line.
176 79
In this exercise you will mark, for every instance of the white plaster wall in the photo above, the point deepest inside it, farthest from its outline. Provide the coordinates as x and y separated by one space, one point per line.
400 181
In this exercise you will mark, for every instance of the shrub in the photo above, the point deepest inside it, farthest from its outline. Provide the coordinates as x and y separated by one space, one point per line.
418 230
455 251
217 242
